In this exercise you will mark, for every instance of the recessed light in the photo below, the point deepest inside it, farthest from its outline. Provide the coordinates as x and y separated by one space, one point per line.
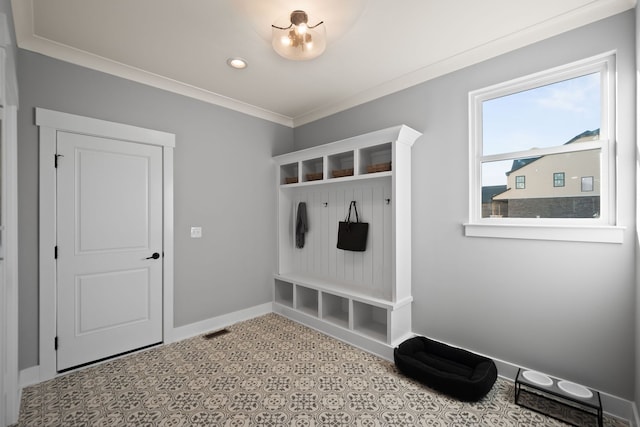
237 63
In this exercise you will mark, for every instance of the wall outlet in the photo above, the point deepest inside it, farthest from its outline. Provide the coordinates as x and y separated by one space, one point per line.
196 232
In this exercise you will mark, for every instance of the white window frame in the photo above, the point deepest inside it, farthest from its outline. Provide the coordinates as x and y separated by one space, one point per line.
602 229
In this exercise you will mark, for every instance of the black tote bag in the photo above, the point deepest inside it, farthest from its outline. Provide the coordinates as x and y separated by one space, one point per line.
352 236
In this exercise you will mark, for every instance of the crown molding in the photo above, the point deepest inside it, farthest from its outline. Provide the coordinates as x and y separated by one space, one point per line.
26 39
590 13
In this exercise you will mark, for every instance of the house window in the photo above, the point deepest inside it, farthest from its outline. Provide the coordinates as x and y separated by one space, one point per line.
532 126
558 179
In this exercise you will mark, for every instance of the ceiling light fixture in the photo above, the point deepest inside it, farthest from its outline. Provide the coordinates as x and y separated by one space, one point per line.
298 41
237 63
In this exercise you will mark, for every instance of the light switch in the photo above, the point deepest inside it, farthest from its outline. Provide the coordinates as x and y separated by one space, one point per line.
196 232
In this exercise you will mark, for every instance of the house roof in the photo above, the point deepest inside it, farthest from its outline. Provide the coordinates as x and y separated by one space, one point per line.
492 190
587 135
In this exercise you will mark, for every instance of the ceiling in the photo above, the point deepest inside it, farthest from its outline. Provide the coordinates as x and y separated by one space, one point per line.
375 47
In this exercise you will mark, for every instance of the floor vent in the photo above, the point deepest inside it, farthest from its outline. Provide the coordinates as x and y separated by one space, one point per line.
214 334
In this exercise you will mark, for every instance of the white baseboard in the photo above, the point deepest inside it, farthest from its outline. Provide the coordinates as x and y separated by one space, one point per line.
218 322
612 405
33 374
29 376
350 337
635 421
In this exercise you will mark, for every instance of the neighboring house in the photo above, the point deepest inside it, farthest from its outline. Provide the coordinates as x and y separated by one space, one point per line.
491 207
554 186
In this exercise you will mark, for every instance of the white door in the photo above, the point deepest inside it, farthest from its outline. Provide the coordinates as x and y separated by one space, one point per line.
109 247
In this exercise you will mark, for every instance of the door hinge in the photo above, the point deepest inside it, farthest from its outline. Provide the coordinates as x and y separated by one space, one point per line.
55 252
55 159
55 343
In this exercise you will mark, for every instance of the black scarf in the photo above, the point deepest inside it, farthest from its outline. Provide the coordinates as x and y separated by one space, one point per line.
301 224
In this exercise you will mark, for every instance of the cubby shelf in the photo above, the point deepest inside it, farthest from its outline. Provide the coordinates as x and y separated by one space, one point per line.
363 163
361 297
352 311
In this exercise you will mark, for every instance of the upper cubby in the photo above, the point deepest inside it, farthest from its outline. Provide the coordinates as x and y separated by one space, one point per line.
340 164
289 173
375 159
365 156
312 169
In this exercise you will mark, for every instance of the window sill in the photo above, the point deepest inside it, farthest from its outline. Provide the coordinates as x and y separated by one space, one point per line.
571 233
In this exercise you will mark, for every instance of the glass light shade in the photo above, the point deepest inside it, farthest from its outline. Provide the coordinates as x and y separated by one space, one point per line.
298 37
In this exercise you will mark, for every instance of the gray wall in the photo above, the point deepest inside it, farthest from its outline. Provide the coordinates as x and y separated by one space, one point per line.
223 182
564 308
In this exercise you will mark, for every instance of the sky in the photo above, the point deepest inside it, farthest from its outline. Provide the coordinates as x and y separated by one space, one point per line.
546 116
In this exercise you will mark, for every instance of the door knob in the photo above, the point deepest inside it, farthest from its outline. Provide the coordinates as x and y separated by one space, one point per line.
155 255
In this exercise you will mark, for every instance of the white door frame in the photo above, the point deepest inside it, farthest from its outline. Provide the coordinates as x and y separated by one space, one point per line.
49 123
9 389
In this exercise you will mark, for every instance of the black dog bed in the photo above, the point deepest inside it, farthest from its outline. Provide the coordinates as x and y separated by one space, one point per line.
459 373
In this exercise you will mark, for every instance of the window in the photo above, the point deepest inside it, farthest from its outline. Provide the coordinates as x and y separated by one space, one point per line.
522 132
586 184
558 179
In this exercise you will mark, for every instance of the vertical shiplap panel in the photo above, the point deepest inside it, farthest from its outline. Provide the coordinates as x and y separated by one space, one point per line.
376 234
387 260
319 232
369 271
349 195
341 206
332 235
369 255
307 259
325 228
363 202
309 237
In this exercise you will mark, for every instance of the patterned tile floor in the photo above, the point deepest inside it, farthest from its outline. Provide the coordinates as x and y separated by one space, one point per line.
268 371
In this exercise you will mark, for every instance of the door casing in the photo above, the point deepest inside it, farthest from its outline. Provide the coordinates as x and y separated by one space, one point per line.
49 123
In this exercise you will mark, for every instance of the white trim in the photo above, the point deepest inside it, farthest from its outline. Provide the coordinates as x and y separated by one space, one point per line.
612 405
49 122
589 13
10 402
573 233
348 336
33 375
167 245
219 322
27 39
96 127
46 243
635 421
29 376
601 229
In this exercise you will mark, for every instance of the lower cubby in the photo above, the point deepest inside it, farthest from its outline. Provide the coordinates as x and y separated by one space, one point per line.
374 324
283 293
370 320
307 300
335 309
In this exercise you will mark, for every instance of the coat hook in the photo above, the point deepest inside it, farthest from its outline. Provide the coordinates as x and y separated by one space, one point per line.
387 201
